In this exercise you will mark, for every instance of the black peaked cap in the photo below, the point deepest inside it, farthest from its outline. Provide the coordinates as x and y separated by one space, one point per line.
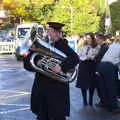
55 25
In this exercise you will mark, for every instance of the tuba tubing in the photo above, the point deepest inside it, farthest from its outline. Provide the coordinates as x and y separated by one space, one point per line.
45 57
45 68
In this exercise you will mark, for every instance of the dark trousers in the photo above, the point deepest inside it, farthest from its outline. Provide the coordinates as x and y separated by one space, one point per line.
98 89
108 83
84 94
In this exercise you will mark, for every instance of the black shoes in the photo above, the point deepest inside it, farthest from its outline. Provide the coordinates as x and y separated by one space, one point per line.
37 118
85 102
100 105
90 103
113 109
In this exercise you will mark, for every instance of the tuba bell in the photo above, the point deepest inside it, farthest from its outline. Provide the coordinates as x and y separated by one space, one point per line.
46 57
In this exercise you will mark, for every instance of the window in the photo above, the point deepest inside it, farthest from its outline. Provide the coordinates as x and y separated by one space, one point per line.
22 32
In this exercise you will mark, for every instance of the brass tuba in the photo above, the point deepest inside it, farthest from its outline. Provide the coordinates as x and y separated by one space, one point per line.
46 57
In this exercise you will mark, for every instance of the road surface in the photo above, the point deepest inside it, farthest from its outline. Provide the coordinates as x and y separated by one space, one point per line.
15 87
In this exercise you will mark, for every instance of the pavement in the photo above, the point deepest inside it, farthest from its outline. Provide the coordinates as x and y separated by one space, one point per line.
15 88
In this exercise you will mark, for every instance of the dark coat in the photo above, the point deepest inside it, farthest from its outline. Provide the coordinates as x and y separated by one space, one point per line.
103 49
50 97
86 74
107 85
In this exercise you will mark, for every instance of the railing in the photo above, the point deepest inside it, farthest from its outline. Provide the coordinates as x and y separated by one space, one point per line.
7 47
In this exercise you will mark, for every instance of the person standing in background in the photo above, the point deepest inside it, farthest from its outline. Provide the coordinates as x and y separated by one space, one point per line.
100 38
87 67
108 69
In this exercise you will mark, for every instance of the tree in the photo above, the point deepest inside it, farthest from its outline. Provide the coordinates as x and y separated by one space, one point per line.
115 16
28 10
38 10
79 15
15 11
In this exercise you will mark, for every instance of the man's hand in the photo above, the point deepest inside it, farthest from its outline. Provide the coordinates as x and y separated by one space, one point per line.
57 69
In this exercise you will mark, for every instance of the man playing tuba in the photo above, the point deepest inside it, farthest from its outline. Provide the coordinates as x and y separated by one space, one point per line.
50 98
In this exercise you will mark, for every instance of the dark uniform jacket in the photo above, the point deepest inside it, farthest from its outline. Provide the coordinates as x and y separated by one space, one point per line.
50 97
103 49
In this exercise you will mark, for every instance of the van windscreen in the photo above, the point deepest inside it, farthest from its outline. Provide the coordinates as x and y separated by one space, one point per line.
22 32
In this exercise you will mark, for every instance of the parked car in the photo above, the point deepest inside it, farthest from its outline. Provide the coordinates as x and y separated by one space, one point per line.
2 35
6 36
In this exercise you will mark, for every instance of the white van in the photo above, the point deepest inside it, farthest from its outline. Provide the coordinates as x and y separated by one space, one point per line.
20 38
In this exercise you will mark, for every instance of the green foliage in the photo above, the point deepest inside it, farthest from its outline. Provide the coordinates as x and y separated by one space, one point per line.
38 10
115 16
79 16
44 13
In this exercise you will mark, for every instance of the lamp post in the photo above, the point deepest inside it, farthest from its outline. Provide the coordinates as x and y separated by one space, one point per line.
71 16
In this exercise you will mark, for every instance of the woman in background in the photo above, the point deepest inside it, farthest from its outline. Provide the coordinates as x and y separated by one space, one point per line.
87 67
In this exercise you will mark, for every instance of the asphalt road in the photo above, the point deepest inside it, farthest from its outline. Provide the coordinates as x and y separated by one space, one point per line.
15 87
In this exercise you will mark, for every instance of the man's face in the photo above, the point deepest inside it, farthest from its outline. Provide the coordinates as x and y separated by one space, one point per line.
54 34
99 40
